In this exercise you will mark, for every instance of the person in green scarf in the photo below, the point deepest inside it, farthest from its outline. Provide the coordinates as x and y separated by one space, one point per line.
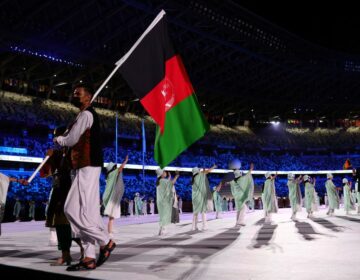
356 179
242 189
113 193
294 194
201 195
164 197
269 198
310 203
348 201
357 191
217 200
138 204
333 195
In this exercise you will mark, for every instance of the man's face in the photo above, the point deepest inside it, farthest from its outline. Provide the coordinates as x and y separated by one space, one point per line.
80 97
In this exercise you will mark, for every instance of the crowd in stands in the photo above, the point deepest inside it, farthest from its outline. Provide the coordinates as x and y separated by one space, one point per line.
34 111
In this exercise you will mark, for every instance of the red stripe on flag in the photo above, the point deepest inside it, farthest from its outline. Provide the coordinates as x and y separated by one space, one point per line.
171 90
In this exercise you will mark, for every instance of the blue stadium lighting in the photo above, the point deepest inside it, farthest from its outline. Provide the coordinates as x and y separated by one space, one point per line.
181 169
43 55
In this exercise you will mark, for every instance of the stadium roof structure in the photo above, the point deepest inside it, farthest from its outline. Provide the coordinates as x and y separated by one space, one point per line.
241 65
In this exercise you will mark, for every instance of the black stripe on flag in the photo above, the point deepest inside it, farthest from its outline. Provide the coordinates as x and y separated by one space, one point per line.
147 61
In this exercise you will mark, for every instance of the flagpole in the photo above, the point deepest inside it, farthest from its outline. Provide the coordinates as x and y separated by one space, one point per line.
105 82
38 168
116 138
143 150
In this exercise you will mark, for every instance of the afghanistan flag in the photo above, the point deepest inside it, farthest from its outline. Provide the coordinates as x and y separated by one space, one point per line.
158 77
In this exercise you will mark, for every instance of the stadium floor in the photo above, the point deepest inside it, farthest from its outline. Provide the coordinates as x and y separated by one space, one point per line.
325 247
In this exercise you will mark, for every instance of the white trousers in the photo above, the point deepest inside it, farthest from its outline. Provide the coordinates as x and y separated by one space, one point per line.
82 208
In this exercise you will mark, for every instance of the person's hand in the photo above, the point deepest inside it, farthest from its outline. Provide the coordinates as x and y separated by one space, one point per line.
251 166
50 152
55 140
23 182
177 173
127 158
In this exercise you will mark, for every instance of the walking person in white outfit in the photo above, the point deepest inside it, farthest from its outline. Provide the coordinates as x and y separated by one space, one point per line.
81 206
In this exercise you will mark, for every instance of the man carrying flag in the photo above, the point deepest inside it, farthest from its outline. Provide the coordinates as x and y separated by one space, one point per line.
158 77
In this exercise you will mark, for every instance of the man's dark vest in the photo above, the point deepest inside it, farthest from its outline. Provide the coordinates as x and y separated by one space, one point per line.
88 151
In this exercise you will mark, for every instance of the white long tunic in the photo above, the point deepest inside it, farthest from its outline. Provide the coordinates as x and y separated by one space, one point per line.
82 203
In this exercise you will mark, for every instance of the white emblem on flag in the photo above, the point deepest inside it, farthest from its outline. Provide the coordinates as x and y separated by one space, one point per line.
167 92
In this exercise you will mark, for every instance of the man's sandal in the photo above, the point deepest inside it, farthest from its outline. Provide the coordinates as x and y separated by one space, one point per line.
82 265
105 252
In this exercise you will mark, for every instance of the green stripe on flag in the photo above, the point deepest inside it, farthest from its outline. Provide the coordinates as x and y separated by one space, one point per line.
184 124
